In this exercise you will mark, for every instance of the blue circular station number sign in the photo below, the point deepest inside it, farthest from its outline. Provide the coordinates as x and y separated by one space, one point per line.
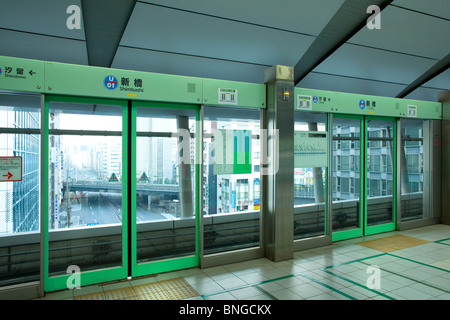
110 82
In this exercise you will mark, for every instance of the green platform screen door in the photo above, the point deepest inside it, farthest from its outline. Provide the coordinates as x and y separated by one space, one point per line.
164 188
122 189
363 175
87 186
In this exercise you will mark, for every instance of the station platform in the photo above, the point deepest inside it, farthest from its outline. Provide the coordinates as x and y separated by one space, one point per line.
399 265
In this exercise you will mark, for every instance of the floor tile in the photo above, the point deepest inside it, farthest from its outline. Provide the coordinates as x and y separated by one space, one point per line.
205 288
245 293
409 293
286 294
306 291
231 282
222 296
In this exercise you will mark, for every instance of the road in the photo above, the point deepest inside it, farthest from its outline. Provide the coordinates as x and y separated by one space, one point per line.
99 208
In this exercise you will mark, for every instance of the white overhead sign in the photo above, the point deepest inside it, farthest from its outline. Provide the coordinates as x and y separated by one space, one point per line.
10 169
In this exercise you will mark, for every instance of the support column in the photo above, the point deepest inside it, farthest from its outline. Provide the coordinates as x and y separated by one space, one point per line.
444 97
278 176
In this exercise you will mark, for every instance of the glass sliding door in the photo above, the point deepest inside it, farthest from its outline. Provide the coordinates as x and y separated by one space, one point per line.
232 179
87 190
310 175
380 175
347 188
164 187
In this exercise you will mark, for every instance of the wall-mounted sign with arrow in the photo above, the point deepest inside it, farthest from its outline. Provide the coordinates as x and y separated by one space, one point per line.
21 75
10 169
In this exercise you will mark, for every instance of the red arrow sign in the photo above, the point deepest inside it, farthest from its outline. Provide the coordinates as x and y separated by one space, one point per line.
9 175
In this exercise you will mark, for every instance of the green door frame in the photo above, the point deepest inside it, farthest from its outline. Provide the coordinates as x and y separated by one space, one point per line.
368 230
53 283
165 265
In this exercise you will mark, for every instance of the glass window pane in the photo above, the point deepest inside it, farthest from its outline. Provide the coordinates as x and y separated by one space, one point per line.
85 187
19 200
83 116
380 182
231 199
309 183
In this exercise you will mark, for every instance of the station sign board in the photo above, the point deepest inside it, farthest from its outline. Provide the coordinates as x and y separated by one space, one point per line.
10 169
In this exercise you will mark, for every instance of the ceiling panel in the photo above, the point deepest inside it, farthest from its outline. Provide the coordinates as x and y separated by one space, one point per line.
408 32
438 8
430 90
24 45
351 85
304 16
177 31
373 64
442 81
150 61
43 17
422 93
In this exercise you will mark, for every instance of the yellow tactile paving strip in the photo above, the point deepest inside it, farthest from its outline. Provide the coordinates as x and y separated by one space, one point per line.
170 289
392 243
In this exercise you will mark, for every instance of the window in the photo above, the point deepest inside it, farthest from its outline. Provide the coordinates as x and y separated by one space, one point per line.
310 180
85 177
232 178
20 116
412 168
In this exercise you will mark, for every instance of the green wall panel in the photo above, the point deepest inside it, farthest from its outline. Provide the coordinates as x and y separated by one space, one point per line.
67 79
22 74
348 103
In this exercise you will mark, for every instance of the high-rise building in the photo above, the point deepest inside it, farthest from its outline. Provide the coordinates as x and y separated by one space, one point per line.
19 201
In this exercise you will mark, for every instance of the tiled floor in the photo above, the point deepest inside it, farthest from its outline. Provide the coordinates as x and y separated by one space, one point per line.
413 264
